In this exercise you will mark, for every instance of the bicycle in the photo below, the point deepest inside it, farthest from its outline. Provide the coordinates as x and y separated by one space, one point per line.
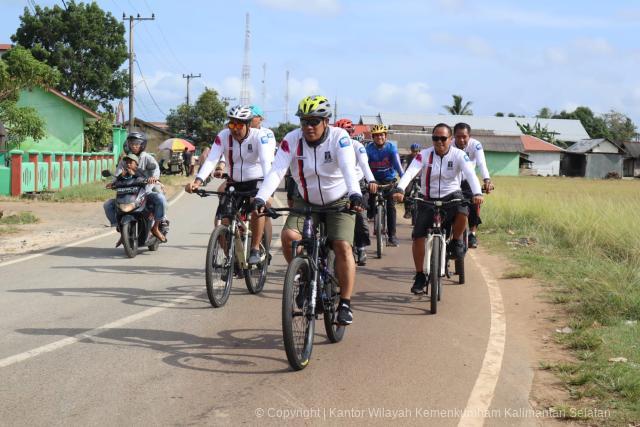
310 288
438 237
380 218
229 247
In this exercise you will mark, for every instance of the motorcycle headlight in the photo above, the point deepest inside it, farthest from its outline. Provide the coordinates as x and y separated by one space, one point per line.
126 207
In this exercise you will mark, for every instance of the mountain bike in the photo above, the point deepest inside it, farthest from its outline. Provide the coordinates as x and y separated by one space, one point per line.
380 219
229 247
310 288
436 249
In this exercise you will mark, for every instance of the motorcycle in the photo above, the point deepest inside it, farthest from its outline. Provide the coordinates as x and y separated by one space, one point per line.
133 219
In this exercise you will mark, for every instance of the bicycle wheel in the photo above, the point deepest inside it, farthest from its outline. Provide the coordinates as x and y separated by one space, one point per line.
460 262
434 275
298 323
256 275
378 228
335 332
129 237
219 268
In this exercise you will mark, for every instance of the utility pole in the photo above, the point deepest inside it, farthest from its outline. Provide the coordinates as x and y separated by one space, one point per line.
264 84
189 77
132 58
245 96
286 100
335 110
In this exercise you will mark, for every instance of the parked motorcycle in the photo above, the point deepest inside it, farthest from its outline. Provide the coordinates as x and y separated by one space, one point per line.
133 219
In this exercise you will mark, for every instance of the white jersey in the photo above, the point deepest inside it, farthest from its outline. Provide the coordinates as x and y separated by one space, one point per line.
476 155
441 176
247 160
272 139
324 173
362 161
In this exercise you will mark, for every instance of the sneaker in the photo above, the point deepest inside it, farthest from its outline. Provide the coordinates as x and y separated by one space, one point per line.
419 282
362 256
254 257
473 241
457 248
345 315
407 214
164 226
393 242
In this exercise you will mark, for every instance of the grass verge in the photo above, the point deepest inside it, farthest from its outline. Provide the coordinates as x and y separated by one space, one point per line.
8 223
578 235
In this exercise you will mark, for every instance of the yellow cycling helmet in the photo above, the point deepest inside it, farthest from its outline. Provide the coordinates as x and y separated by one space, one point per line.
378 129
314 106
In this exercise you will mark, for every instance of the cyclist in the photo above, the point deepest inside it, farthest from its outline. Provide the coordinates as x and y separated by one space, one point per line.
363 173
249 155
385 165
442 167
136 143
408 205
322 164
473 148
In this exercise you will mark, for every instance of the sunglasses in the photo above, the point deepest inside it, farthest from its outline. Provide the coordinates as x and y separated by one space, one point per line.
235 125
435 138
314 121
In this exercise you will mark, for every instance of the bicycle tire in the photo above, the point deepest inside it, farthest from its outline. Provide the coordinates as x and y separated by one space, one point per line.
129 237
218 266
434 275
460 262
378 229
256 276
335 332
298 325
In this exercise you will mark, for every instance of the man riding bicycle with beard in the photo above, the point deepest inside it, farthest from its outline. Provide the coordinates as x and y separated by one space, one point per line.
323 166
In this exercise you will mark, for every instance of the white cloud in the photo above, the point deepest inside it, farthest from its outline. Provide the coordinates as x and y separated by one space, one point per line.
309 6
473 44
410 97
594 45
556 55
298 89
530 18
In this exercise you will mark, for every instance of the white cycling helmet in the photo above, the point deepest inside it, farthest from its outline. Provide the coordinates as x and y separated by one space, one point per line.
241 112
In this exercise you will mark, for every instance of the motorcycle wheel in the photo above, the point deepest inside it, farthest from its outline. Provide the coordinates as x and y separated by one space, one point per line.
130 239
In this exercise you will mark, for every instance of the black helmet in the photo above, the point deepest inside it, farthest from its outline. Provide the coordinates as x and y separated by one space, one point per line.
137 138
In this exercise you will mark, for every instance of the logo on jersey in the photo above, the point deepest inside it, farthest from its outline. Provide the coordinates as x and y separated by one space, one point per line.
344 141
264 139
478 147
284 146
217 141
466 158
362 150
450 164
250 148
327 157
419 157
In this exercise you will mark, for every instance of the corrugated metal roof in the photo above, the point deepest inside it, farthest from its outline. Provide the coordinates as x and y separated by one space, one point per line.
370 120
566 130
633 149
585 145
500 143
531 143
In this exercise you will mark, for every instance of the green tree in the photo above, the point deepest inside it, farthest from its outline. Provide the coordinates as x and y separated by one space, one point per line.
85 44
200 122
541 132
457 108
20 70
621 128
544 113
98 134
499 114
282 129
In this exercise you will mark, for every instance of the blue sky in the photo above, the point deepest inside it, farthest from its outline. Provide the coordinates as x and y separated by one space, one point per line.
385 56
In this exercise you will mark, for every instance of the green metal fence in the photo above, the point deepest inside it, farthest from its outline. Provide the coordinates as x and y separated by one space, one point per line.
28 175
55 175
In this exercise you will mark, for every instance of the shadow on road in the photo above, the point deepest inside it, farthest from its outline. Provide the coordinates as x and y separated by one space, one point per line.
223 353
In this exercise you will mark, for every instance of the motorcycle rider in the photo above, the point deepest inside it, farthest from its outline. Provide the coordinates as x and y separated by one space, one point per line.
136 143
131 172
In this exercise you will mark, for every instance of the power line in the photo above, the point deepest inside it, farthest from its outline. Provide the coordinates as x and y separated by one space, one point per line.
148 91
189 77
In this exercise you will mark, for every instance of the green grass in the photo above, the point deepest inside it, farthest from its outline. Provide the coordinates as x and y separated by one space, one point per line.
19 218
586 246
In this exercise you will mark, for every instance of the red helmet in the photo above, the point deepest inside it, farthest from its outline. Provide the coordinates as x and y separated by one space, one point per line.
345 124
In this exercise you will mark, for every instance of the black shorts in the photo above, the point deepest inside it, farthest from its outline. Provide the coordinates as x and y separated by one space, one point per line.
474 210
424 219
223 209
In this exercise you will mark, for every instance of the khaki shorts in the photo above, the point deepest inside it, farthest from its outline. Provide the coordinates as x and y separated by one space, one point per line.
339 225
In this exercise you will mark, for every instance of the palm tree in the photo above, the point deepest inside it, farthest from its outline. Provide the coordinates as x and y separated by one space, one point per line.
457 108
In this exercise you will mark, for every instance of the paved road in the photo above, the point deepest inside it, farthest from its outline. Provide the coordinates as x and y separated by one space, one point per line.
89 337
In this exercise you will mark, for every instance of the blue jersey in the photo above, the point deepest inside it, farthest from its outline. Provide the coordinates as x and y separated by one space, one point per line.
384 162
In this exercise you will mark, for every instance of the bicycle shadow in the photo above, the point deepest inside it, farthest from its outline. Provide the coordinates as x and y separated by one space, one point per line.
221 354
389 303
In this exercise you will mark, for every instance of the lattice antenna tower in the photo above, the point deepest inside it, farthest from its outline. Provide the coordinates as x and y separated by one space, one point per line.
245 96
286 100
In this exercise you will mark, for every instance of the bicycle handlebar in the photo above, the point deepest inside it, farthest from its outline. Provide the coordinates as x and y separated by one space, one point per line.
439 203
205 193
273 212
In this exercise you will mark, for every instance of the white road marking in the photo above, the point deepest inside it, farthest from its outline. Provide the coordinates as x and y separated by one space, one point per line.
70 245
484 388
8 361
